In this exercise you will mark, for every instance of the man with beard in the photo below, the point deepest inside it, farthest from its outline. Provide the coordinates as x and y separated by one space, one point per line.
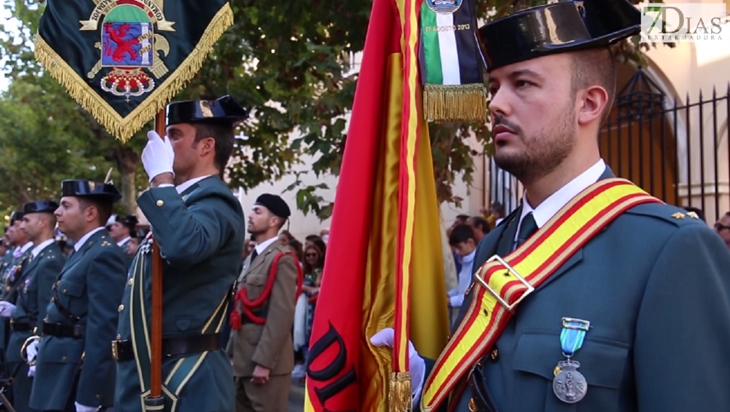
33 291
197 225
74 366
593 295
261 344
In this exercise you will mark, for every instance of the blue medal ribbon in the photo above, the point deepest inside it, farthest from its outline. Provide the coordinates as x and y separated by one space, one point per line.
573 335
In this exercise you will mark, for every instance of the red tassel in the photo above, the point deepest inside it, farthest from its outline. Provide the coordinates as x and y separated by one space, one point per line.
235 320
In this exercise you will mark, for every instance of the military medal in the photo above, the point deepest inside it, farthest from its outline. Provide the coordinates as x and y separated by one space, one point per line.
569 385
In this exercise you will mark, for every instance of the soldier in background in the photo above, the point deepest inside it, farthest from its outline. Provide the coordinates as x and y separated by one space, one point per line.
75 368
33 291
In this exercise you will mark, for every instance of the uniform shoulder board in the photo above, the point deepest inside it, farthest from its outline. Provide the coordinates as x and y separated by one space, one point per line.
671 214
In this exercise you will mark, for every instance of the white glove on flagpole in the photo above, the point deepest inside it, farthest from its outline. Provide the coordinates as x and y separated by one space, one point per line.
157 156
31 351
6 309
82 408
385 338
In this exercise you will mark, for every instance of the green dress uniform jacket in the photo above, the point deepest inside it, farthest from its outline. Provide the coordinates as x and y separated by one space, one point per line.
200 233
654 285
10 276
89 287
34 294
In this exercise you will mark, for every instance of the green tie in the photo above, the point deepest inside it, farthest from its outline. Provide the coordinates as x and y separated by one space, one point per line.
527 228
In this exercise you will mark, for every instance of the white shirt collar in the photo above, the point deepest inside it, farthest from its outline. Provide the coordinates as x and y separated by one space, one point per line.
36 250
26 247
186 185
263 245
548 208
121 242
86 237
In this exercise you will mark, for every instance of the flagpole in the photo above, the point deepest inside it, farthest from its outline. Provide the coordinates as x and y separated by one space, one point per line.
156 326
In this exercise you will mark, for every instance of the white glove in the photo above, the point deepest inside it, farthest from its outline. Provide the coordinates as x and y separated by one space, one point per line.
157 156
385 338
82 408
31 351
31 371
6 309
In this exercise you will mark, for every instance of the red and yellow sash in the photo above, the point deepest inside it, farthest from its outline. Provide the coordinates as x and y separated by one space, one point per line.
516 276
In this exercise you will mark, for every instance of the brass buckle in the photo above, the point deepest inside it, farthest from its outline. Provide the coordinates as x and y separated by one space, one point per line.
115 349
511 270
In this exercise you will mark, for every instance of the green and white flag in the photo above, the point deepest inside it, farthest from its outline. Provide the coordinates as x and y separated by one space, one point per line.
451 63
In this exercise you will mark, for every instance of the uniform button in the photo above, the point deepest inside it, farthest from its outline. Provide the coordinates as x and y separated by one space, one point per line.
130 282
63 358
119 336
472 405
160 203
121 308
98 396
64 291
494 355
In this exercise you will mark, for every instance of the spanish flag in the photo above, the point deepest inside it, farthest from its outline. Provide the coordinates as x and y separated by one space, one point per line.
384 264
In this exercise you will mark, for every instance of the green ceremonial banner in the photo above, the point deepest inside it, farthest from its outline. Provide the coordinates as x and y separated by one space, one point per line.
124 60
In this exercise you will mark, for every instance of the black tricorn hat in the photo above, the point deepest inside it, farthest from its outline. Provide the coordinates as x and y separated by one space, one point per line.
105 192
129 221
15 216
40 206
275 204
557 28
222 110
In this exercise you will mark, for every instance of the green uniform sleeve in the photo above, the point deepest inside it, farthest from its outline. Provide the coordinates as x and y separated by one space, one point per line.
681 354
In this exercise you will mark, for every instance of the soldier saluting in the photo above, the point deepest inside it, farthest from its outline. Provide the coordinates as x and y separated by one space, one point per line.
198 227
74 368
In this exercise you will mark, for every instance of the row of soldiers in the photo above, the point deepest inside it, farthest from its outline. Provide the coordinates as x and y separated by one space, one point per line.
76 328
44 293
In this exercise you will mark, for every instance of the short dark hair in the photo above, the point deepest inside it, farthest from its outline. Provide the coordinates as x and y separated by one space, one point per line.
481 223
104 209
595 67
461 234
463 218
223 135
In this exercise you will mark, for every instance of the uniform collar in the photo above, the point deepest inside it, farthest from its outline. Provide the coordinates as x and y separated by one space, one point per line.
36 250
123 241
26 247
86 237
548 208
186 185
263 245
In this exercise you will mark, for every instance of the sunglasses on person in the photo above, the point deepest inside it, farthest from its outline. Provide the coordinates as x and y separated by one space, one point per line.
720 226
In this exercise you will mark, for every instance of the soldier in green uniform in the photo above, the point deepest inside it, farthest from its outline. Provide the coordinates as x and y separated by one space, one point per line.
122 230
18 257
33 291
198 225
22 245
74 367
633 317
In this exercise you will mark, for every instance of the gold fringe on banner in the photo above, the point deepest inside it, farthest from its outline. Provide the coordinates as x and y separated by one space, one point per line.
455 103
399 393
123 128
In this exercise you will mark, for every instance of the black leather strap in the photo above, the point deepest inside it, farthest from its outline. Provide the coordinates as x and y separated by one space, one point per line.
64 331
479 394
184 345
64 311
21 326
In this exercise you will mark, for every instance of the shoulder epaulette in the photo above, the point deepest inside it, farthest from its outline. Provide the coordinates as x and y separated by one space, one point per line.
667 213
